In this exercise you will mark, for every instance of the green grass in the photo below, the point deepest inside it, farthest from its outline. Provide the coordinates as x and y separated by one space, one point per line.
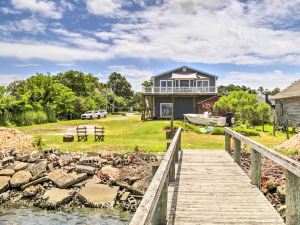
125 133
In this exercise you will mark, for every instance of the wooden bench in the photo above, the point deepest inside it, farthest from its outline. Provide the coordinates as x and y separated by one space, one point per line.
99 133
82 134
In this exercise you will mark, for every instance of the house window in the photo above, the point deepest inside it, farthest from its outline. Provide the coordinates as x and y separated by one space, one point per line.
166 110
281 108
203 85
166 86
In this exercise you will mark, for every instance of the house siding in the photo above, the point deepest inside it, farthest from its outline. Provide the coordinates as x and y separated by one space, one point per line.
167 76
182 105
291 111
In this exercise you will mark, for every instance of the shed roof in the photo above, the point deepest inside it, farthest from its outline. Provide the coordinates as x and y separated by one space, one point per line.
291 91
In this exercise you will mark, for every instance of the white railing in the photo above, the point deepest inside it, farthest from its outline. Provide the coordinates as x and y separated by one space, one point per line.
210 89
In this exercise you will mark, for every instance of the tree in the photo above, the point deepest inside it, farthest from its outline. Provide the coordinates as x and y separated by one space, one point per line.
226 89
264 111
275 91
119 85
147 83
260 90
241 103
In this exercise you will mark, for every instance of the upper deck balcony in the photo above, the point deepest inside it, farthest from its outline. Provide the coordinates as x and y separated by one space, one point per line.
180 90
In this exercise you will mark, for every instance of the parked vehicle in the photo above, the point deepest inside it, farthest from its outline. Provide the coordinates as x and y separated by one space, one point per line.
103 113
94 114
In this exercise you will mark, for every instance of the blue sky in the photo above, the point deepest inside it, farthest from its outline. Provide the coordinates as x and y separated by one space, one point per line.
252 43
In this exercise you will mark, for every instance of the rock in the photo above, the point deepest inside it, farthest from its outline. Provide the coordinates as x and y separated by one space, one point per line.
39 168
20 178
23 157
98 195
50 167
4 197
20 166
63 180
8 159
111 172
125 196
4 183
7 172
85 169
35 182
281 193
32 191
271 185
56 197
34 154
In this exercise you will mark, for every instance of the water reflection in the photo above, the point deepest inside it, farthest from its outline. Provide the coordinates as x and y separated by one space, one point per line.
36 216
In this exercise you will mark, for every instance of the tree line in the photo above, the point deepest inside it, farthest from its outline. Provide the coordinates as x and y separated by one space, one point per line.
45 98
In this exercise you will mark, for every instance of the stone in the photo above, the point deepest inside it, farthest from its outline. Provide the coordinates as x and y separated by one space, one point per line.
85 169
35 182
34 154
271 185
56 197
125 196
63 180
98 195
20 178
8 159
111 172
4 184
20 166
50 167
7 172
38 169
281 193
4 197
23 157
32 191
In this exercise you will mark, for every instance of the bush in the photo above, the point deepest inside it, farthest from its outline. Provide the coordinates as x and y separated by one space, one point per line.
247 132
167 127
50 115
25 118
40 117
193 128
39 142
218 131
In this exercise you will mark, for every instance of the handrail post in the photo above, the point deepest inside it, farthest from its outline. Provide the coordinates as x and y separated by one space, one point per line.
178 147
256 168
160 213
227 141
292 199
237 152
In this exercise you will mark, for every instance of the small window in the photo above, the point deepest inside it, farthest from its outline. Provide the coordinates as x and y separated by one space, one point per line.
184 69
281 108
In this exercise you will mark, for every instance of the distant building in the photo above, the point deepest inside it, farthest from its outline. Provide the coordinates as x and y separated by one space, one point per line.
177 92
287 105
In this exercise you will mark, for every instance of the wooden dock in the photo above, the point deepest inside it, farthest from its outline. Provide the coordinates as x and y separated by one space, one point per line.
210 188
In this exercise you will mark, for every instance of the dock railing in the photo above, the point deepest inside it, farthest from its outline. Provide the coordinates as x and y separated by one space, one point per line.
153 207
291 167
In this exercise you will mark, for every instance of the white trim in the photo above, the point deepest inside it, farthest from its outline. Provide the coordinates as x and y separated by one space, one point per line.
160 110
166 85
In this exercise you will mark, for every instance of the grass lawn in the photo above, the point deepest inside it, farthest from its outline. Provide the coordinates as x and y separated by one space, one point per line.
125 133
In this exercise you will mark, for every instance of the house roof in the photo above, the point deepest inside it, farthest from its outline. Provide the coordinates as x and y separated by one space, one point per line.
181 67
291 91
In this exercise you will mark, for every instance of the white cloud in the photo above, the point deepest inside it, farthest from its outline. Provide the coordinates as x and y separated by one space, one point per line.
43 7
31 25
103 7
105 35
134 75
65 64
26 65
6 79
55 52
268 80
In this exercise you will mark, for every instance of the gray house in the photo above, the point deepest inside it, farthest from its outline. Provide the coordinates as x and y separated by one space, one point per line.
287 105
178 91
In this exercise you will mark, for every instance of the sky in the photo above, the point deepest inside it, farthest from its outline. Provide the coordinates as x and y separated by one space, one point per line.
253 43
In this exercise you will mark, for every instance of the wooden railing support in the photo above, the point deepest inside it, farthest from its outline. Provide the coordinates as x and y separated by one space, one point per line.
178 147
256 168
160 213
172 171
292 199
227 142
237 152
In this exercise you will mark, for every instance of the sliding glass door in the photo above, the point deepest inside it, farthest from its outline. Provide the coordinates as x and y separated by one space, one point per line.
166 86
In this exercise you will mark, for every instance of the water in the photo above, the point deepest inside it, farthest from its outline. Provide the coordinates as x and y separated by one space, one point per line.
36 216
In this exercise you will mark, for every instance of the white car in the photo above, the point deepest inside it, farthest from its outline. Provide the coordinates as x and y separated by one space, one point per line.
94 114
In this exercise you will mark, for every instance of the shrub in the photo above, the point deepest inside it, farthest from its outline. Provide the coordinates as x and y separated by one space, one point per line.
218 131
193 128
25 118
167 127
40 117
247 132
39 143
50 115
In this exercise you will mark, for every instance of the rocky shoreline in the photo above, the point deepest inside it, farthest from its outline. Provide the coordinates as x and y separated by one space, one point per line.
273 181
57 180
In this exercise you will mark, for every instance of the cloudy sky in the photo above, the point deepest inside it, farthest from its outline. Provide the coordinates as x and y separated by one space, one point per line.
255 43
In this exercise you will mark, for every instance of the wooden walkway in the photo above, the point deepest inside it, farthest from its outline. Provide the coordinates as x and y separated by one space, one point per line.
210 188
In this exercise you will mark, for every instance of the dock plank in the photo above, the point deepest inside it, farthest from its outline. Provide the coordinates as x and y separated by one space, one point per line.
211 189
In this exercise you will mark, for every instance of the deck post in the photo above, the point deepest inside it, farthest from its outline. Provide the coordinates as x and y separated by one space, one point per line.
237 152
178 147
256 168
160 214
172 170
292 199
227 142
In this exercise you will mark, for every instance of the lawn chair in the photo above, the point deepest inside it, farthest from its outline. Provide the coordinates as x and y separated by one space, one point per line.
82 134
99 133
